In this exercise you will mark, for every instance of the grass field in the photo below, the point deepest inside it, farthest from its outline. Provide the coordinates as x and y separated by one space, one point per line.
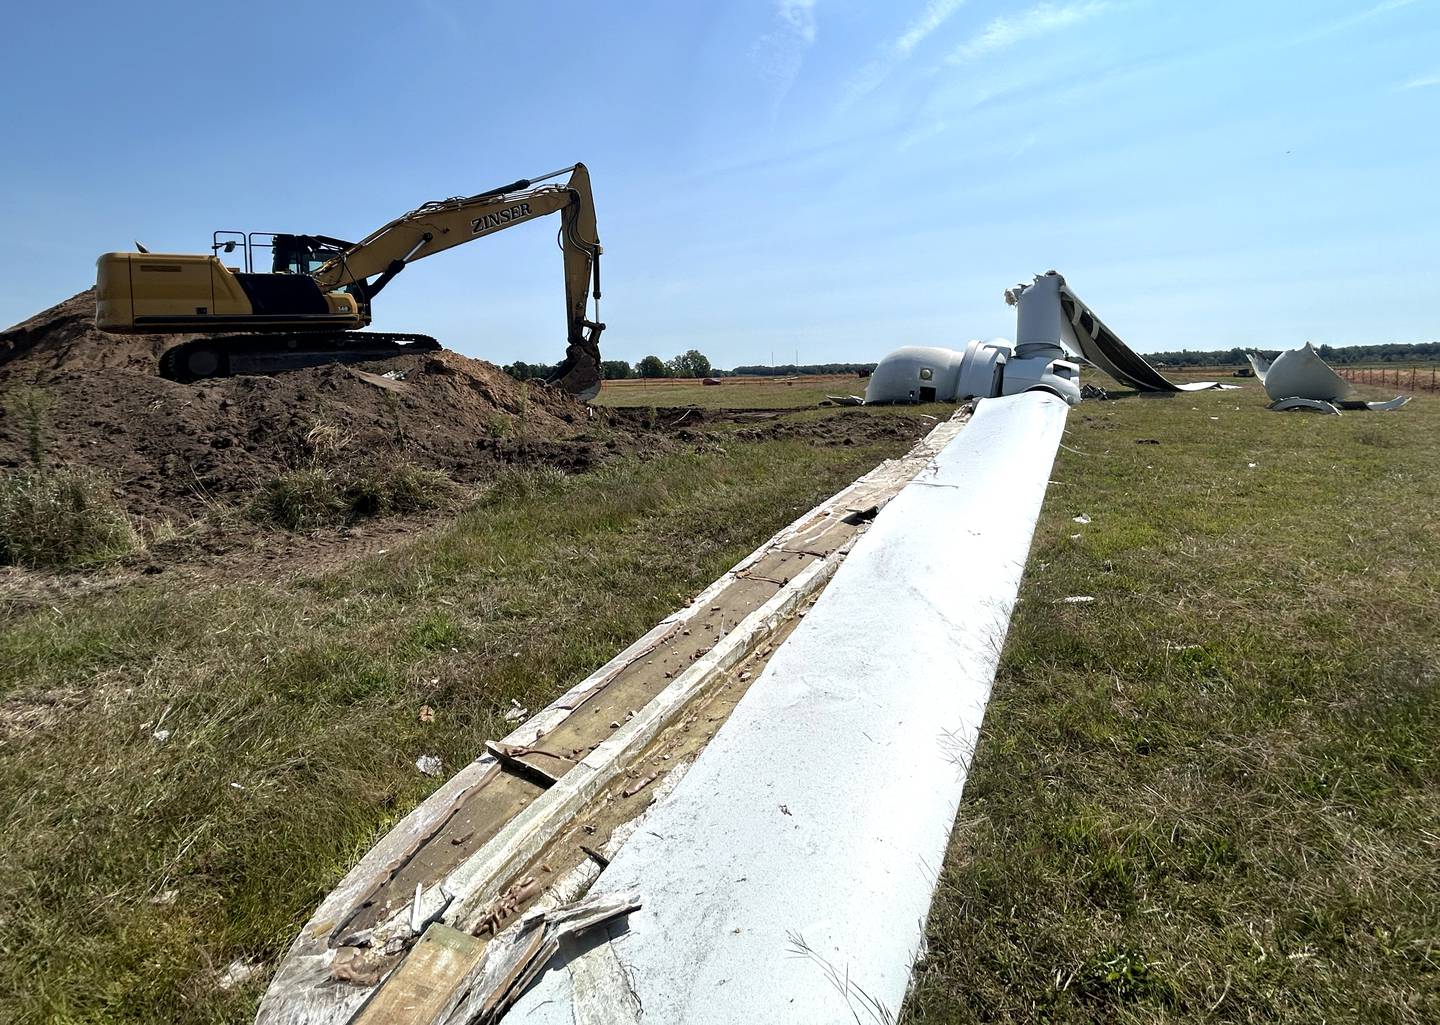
1209 795
731 393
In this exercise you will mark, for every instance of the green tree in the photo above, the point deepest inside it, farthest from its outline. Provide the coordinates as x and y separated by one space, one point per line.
615 370
692 363
653 366
522 371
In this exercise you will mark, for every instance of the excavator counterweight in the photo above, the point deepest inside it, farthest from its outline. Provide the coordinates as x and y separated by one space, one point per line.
317 295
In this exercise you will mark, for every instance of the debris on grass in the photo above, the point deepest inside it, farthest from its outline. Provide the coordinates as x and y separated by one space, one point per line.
1298 377
430 765
237 974
516 712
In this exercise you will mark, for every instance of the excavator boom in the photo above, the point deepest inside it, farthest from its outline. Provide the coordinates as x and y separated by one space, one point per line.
370 264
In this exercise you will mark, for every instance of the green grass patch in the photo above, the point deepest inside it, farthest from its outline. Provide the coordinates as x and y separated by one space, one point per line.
62 517
56 517
317 497
1211 794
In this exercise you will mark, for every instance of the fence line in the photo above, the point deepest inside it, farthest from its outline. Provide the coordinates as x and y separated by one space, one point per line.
1414 378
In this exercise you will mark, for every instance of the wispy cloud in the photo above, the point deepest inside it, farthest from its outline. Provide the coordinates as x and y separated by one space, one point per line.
1381 8
780 52
799 15
1422 82
936 13
899 49
1006 31
1359 17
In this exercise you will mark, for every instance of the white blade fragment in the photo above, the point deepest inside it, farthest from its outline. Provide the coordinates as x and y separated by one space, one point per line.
806 824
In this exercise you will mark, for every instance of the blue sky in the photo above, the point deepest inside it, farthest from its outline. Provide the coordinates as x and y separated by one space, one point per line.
829 178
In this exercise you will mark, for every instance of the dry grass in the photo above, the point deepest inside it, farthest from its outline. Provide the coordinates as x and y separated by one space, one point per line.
317 497
56 516
61 517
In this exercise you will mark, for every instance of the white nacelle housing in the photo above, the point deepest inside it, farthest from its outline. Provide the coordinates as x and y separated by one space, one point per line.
916 373
986 370
1044 368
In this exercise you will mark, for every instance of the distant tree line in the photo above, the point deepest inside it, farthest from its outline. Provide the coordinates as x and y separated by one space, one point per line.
694 363
1335 355
791 369
691 363
522 371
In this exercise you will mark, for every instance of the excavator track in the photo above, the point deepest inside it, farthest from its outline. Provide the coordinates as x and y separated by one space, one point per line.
228 355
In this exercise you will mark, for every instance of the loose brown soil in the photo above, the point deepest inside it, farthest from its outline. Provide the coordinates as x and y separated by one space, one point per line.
175 450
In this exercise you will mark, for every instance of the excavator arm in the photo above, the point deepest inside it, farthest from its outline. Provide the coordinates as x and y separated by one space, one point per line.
370 264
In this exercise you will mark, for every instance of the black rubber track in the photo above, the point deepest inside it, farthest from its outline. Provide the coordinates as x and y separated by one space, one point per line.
228 355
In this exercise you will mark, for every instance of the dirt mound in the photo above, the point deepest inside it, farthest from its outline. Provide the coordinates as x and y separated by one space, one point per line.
65 337
173 448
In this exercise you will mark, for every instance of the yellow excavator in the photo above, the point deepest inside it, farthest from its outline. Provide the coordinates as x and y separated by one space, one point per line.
308 309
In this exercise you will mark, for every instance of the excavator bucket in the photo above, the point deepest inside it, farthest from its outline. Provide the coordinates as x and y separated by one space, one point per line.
579 374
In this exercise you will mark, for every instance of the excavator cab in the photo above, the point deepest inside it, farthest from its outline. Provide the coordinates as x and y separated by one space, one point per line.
302 254
289 254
